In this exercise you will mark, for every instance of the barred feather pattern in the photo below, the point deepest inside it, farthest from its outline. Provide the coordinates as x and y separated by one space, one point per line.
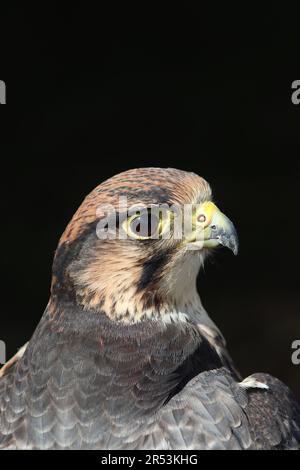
145 386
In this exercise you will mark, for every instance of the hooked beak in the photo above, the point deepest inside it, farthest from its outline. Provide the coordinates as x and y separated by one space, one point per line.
213 228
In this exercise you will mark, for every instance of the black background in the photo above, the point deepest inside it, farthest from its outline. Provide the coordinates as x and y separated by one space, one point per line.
92 93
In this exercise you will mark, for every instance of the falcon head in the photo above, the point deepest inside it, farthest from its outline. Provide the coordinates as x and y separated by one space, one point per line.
134 247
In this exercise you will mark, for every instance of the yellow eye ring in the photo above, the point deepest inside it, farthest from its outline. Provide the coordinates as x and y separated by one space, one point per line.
205 213
143 225
147 224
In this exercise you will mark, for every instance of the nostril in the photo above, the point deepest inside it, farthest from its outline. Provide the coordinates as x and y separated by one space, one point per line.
213 227
201 218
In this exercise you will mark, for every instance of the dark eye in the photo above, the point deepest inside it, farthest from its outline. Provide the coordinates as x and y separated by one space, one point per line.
145 225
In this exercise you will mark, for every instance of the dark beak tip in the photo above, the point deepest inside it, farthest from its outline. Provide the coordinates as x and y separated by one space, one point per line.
235 247
233 244
228 238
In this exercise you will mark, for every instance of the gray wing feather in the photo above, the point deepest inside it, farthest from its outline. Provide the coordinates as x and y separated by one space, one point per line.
274 415
51 400
207 414
214 412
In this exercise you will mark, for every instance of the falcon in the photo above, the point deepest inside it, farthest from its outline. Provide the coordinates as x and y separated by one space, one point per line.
125 355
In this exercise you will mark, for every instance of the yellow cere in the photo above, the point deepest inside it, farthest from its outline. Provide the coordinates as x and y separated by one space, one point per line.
207 209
